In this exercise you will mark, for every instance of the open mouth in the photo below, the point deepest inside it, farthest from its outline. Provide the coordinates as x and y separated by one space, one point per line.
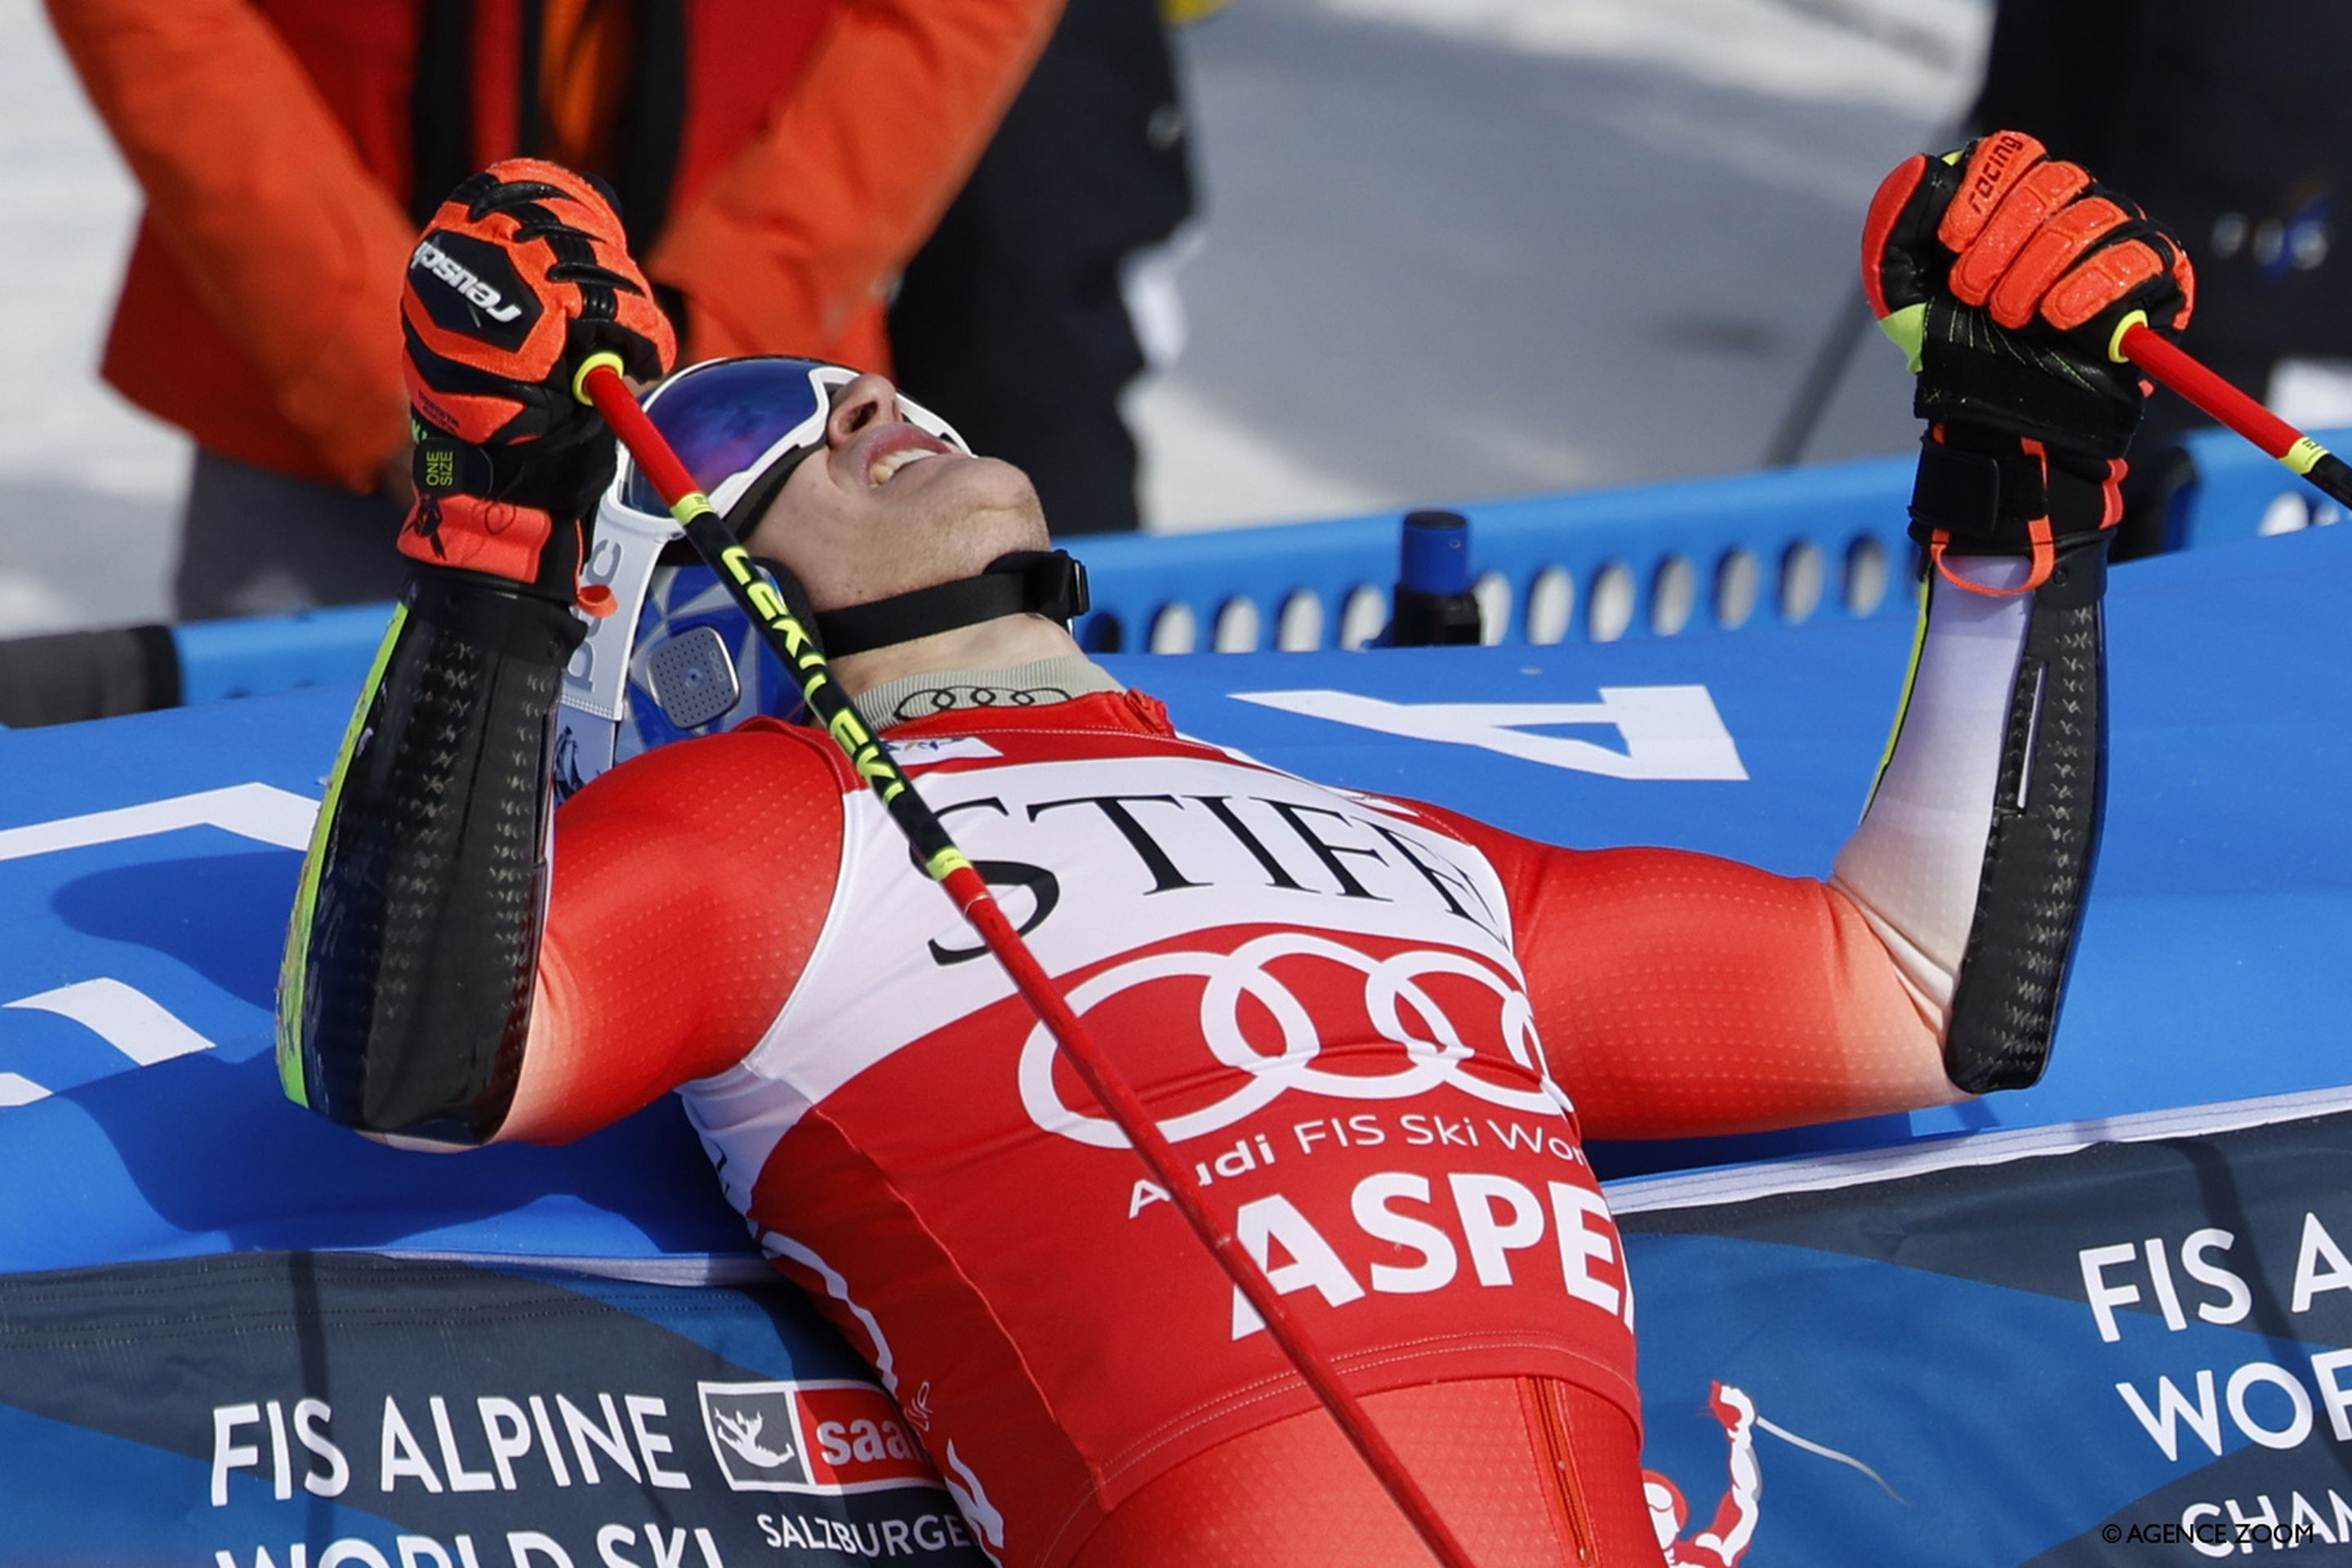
899 450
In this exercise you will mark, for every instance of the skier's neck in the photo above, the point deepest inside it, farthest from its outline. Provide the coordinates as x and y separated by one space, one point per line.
1005 641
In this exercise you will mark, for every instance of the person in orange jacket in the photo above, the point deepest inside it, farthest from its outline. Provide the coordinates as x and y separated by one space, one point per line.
779 162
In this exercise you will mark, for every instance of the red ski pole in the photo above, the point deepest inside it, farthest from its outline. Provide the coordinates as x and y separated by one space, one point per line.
2167 363
599 383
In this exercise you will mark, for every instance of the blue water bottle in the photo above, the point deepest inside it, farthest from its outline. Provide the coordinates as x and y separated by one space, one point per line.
1432 606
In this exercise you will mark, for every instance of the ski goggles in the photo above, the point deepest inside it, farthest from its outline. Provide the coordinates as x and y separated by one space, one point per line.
742 425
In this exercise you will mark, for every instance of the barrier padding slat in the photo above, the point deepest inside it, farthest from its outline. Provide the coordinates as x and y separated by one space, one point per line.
2239 493
1701 522
277 653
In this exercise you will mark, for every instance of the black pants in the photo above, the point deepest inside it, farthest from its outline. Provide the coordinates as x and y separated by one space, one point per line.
257 543
1010 320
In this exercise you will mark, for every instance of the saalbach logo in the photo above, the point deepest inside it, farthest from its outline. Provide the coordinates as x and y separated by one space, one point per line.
819 1436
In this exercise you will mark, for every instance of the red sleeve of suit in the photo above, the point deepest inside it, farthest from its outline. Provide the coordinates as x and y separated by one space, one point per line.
1679 995
691 887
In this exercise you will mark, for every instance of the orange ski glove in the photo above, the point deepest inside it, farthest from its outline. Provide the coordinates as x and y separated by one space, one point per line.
522 274
2008 278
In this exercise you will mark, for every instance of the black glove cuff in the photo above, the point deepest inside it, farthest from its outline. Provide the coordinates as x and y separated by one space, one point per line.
495 613
1957 493
562 475
441 464
1984 491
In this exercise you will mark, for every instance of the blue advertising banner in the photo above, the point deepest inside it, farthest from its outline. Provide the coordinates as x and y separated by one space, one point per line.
268 1410
2125 1345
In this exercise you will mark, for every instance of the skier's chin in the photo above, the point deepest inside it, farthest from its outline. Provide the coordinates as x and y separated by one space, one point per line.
977 485
970 494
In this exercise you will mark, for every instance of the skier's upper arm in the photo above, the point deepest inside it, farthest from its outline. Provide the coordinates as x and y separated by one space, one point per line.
1680 994
690 888
292 244
802 230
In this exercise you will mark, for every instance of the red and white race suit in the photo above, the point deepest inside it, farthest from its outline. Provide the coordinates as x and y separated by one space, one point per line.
1377 1031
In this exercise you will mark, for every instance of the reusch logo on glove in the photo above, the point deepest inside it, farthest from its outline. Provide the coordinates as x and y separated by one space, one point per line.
480 294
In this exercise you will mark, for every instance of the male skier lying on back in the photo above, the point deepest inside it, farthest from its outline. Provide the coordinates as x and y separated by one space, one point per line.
1303 983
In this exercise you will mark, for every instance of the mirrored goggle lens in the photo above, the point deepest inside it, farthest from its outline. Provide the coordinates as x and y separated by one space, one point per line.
728 421
734 423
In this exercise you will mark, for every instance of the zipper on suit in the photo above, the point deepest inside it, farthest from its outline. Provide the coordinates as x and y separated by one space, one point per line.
1557 1450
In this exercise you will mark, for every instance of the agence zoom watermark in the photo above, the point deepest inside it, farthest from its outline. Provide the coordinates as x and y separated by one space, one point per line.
2227 1534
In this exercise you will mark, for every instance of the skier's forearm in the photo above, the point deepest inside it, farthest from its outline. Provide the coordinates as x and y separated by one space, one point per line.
1974 857
406 998
2008 279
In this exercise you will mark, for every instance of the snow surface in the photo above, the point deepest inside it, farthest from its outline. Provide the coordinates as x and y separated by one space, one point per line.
1451 248
87 483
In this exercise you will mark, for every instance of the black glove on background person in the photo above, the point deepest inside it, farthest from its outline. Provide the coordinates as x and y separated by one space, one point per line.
2009 278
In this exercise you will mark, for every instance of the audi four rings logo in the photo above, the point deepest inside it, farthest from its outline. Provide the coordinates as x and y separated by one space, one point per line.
1400 1010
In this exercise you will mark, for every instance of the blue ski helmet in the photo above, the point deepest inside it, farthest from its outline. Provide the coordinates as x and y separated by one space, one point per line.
676 656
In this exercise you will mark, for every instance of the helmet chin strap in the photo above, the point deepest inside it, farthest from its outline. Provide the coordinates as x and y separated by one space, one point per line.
1043 581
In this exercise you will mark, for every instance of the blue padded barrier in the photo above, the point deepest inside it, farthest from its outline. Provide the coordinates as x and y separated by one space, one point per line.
1774 549
277 653
1777 548
2239 493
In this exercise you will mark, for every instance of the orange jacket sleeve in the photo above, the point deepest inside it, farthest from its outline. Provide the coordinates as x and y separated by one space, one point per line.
804 227
294 247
